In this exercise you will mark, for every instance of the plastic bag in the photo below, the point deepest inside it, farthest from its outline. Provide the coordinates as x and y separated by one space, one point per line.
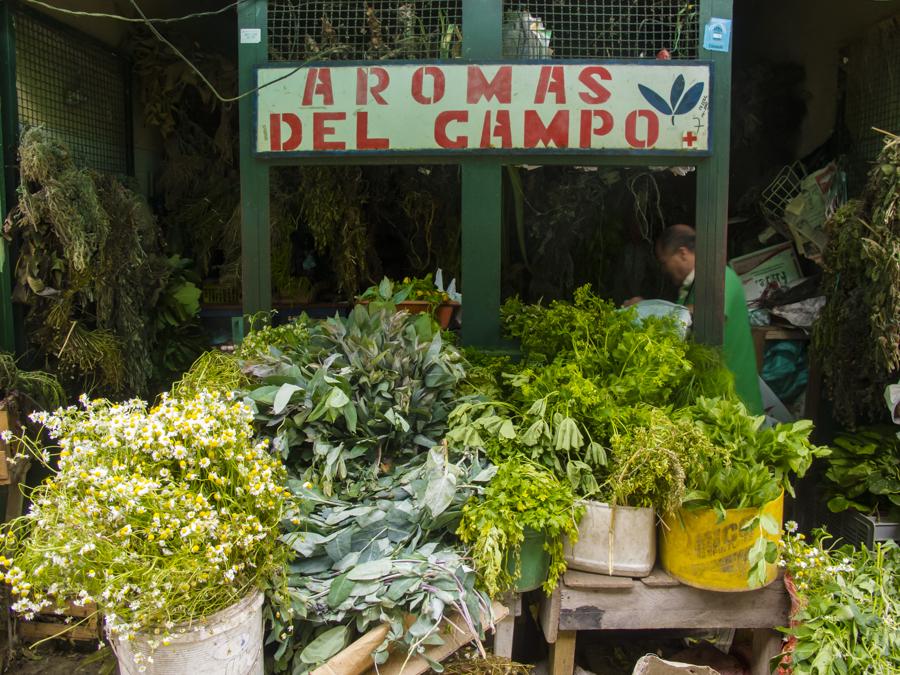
682 315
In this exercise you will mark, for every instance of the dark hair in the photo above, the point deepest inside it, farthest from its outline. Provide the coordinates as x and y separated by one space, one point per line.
676 236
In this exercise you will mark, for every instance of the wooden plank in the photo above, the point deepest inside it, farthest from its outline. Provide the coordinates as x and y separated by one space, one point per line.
562 654
647 608
549 615
659 578
33 631
454 636
767 644
575 579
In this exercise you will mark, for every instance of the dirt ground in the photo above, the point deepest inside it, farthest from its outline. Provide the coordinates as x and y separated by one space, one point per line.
60 660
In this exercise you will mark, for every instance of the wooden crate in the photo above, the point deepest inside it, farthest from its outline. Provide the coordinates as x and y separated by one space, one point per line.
50 625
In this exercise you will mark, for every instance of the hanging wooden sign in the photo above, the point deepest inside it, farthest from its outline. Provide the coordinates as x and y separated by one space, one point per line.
385 108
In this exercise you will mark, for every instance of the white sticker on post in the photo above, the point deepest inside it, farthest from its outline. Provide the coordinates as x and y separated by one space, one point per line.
251 36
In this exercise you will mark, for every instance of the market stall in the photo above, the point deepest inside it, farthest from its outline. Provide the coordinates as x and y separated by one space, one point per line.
373 487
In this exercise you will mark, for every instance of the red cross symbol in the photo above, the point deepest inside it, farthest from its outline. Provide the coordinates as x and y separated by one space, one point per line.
689 139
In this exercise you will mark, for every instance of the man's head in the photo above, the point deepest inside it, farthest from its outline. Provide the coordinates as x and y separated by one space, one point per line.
675 252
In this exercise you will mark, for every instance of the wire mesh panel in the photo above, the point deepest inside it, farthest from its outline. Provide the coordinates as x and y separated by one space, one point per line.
360 29
76 89
608 29
873 96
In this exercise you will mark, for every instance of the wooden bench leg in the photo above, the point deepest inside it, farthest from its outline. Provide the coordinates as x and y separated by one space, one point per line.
562 653
503 637
767 644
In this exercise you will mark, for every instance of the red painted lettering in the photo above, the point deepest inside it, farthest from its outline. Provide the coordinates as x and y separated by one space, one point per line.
440 129
557 132
478 86
438 84
363 90
294 126
363 142
631 131
588 129
590 77
321 131
552 80
502 130
318 83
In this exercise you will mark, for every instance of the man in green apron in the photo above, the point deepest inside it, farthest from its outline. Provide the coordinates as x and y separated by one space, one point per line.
675 252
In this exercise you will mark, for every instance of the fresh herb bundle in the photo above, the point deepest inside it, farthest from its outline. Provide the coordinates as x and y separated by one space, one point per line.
376 559
361 393
161 517
416 289
864 472
521 495
848 618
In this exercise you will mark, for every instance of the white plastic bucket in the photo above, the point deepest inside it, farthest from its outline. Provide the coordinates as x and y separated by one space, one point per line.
615 540
229 642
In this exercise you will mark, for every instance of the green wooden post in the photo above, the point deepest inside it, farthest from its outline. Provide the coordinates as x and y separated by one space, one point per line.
482 196
256 264
8 137
712 192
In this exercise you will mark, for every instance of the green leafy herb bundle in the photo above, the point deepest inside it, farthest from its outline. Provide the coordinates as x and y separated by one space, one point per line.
362 392
864 472
521 495
848 618
376 559
857 336
358 406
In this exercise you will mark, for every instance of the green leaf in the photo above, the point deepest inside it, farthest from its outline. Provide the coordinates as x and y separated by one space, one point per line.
325 646
769 524
374 569
337 398
340 590
283 397
440 492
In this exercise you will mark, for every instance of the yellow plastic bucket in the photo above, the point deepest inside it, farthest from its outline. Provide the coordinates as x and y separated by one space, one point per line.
700 552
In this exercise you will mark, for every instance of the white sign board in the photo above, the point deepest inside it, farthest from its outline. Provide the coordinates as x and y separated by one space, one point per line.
653 108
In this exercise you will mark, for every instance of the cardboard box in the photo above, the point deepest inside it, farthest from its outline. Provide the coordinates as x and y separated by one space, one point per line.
773 265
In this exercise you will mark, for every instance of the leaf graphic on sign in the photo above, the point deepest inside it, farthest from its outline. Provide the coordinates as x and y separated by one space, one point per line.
691 98
677 91
655 100
680 101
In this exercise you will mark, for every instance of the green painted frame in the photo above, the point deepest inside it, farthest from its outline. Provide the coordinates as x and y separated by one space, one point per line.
8 125
482 193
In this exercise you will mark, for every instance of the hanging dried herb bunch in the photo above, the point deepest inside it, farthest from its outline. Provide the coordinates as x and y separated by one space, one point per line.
90 271
857 337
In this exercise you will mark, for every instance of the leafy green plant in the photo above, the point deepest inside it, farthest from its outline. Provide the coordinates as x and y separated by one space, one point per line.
421 289
755 465
857 336
362 393
376 559
521 495
847 604
864 472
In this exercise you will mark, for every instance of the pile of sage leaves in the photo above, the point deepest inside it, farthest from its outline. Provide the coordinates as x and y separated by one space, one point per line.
358 407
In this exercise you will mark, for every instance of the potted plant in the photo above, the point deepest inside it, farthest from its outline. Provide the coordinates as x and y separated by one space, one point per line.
166 518
514 530
413 295
734 498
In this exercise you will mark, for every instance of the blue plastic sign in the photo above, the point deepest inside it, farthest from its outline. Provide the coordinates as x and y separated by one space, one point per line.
717 36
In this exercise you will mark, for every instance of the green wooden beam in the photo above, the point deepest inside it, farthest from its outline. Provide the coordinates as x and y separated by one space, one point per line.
8 138
482 196
712 191
256 263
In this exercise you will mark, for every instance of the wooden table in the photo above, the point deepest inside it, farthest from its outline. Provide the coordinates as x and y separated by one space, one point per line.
597 602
